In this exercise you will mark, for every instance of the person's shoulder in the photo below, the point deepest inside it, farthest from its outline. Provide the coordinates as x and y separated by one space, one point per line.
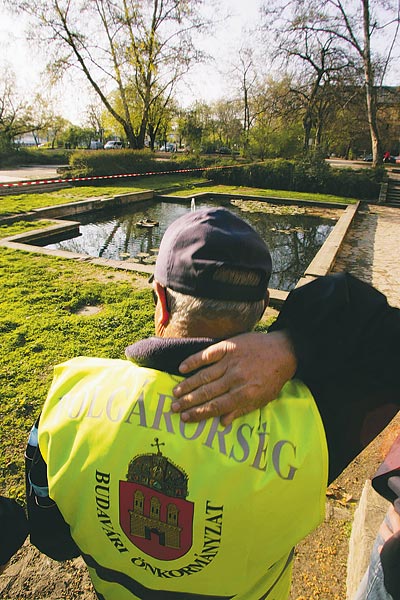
81 362
90 365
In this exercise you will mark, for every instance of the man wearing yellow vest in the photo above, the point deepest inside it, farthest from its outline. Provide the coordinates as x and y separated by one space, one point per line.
163 509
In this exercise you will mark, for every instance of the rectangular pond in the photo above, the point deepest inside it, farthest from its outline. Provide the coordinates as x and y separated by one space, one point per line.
293 237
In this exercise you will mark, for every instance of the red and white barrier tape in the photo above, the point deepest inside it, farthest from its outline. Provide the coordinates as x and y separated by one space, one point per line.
99 177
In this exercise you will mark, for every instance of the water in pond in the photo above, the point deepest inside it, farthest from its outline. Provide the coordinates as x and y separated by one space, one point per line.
293 239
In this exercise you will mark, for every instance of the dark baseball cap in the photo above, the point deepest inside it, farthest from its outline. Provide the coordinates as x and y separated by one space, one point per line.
212 253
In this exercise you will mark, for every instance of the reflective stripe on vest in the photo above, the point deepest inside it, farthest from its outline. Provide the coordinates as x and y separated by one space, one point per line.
180 508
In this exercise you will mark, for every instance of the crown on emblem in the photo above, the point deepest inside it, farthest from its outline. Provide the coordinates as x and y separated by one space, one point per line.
157 472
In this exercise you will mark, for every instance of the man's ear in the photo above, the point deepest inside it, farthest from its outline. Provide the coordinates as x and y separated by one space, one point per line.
163 304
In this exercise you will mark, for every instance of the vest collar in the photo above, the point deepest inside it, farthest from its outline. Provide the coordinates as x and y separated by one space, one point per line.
165 354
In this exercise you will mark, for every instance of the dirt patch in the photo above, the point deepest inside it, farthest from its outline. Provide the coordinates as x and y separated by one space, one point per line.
107 275
88 311
320 567
33 576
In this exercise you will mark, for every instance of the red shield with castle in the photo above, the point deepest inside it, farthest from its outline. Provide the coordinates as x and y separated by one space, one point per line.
153 511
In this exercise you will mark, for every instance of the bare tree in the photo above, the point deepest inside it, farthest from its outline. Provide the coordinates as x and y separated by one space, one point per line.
144 45
246 73
16 116
276 112
95 119
316 60
45 121
354 24
322 64
226 122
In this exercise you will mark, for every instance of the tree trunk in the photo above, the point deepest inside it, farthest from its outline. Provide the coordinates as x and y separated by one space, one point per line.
369 88
307 124
152 135
130 136
142 134
373 124
318 134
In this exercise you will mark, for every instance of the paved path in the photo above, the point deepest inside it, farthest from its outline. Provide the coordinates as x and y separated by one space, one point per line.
30 173
370 250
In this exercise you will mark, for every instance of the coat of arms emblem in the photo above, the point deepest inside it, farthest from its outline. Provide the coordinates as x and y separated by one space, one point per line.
153 510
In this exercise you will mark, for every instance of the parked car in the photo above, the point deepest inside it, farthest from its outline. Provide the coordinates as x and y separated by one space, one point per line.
96 145
386 159
113 145
169 147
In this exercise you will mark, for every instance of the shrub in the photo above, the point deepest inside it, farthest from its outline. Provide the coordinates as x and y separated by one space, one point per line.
363 184
115 162
275 174
312 174
28 156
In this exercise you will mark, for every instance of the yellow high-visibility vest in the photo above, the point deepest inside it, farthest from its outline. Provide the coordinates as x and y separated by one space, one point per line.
197 510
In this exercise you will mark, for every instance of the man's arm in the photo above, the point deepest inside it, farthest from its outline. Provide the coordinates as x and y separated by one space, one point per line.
245 372
336 323
48 530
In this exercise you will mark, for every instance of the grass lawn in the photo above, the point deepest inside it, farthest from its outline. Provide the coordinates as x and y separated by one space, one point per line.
243 191
39 327
21 227
40 324
20 203
184 186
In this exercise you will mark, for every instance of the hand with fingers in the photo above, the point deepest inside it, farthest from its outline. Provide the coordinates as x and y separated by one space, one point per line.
239 375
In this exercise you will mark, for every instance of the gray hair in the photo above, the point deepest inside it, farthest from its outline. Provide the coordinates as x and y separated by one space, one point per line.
184 309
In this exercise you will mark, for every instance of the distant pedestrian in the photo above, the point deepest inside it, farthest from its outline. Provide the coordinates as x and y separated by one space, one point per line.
386 157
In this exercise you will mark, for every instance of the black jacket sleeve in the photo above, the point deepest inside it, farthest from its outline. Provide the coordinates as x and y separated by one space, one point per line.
13 528
338 322
347 342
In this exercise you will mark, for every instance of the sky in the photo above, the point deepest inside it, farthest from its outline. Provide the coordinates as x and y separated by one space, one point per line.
206 82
